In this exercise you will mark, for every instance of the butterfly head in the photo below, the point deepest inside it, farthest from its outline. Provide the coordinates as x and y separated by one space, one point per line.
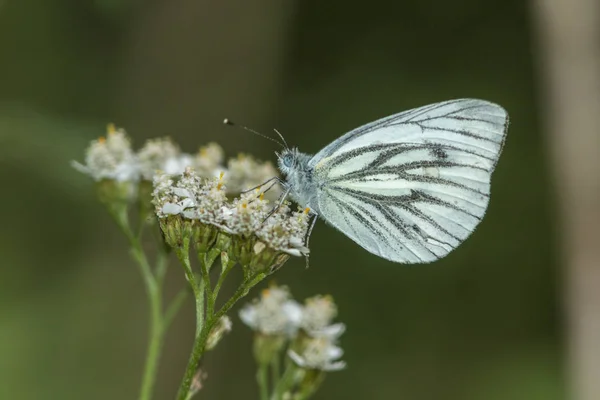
287 160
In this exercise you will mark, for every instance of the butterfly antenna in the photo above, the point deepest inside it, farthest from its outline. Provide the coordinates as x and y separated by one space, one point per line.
227 121
282 138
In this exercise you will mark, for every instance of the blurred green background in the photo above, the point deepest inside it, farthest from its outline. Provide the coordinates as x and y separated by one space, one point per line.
483 323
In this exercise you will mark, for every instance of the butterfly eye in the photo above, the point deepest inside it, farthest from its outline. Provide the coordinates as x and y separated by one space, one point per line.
288 160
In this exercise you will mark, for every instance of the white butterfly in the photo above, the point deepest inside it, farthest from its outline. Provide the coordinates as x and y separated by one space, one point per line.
409 187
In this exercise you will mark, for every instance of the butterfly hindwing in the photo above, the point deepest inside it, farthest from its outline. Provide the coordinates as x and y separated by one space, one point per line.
411 187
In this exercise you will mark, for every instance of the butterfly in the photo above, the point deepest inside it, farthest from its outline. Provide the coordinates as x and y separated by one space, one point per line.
410 187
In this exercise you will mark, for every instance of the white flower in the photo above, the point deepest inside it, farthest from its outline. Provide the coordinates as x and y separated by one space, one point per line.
177 164
317 314
208 161
318 349
320 353
155 155
110 158
173 198
210 201
332 332
191 196
245 172
247 214
285 232
274 314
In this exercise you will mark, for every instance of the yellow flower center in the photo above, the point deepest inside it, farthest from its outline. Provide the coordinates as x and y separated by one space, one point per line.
220 184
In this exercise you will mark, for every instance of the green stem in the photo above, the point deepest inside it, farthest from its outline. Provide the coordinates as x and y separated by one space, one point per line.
136 250
285 383
309 390
226 268
210 300
242 290
154 345
201 338
262 379
275 371
190 371
153 284
183 255
203 322
162 263
197 287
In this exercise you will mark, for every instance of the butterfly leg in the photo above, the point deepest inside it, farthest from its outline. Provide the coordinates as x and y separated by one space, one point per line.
280 201
309 232
311 226
274 180
273 184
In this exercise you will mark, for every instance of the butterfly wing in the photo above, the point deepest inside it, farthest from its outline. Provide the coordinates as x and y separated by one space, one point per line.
413 186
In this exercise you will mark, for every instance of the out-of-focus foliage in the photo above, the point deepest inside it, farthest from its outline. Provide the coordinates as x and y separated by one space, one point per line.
481 324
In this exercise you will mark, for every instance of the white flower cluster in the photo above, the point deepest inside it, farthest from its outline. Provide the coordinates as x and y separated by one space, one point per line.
320 351
246 172
112 158
190 196
247 213
286 231
317 316
276 313
313 336
197 198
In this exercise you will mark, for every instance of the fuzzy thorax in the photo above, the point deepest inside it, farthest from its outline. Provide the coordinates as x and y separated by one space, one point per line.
299 177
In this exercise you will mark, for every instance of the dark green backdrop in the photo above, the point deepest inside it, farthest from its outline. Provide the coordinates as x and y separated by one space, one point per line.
482 324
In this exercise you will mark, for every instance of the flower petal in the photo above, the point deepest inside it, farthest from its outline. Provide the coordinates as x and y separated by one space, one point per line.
171 209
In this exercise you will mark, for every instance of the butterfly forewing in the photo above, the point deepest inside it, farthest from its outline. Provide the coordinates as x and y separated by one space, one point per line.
411 187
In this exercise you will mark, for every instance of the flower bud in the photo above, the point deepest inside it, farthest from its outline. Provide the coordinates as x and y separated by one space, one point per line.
115 194
267 347
204 237
221 327
177 231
